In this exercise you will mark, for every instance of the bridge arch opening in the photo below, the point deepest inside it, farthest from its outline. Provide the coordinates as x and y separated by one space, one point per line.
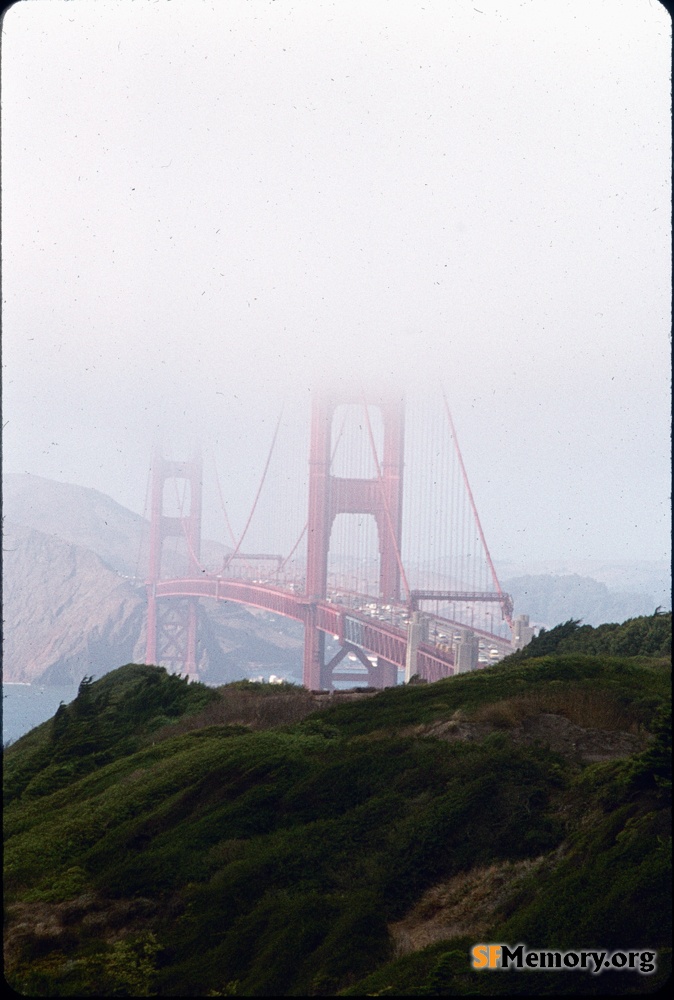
351 447
176 497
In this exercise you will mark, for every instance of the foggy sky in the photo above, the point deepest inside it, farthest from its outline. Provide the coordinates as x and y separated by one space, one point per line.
210 207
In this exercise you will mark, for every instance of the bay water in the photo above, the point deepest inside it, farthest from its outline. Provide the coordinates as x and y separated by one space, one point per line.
25 706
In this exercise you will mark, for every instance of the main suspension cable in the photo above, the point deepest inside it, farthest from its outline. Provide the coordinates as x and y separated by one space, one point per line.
228 523
506 614
257 495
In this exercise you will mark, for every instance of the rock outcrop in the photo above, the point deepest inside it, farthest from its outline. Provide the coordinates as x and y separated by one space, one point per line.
66 614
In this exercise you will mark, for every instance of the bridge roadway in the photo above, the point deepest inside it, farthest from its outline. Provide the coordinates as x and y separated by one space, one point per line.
350 626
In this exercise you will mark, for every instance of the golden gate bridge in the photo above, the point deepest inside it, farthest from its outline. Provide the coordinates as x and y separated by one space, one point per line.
385 561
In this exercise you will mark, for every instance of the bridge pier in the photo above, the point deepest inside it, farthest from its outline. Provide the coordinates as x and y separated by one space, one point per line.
383 675
313 673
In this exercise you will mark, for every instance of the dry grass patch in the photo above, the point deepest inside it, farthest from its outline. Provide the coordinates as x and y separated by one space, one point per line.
38 927
463 906
242 707
589 709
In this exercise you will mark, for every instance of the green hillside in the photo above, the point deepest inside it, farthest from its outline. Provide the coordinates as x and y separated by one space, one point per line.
169 839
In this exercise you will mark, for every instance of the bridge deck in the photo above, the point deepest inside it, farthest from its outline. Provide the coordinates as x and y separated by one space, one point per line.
350 625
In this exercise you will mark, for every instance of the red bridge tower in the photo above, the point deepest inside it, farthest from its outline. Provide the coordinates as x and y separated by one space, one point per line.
380 496
172 636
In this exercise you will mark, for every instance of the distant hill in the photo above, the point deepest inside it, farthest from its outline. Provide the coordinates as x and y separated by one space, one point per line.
92 520
647 578
75 514
549 599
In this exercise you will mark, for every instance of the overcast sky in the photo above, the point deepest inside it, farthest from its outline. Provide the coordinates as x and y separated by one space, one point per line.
208 207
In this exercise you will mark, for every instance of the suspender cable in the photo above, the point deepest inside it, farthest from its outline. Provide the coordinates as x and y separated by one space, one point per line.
259 491
228 523
292 551
181 505
224 511
474 508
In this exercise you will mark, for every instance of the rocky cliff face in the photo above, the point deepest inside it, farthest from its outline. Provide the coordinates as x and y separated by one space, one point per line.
66 613
72 607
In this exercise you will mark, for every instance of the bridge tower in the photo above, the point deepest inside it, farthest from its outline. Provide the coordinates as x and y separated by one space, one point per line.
172 629
329 495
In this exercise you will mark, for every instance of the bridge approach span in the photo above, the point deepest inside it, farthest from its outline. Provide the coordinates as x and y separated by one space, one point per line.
350 627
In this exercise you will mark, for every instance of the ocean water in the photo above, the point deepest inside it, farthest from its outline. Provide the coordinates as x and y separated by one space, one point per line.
25 706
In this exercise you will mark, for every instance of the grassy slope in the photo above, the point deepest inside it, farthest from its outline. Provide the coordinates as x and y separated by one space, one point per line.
229 861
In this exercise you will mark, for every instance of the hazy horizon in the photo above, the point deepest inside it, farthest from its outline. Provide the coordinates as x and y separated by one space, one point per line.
208 210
